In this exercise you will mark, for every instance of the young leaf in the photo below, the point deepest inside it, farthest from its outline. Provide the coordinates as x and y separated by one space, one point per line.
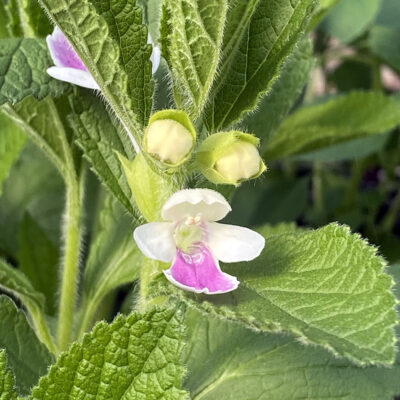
135 357
114 259
124 20
12 139
351 116
227 361
38 260
275 106
191 46
100 141
89 34
326 286
23 65
27 356
7 379
41 121
259 36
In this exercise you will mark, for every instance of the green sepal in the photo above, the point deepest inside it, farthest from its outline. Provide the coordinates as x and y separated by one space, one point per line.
182 118
150 189
217 146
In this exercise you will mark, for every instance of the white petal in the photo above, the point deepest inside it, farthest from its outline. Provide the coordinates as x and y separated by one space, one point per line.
230 243
207 203
156 241
75 76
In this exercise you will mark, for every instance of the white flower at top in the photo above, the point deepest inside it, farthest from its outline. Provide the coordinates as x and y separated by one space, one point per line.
194 243
69 67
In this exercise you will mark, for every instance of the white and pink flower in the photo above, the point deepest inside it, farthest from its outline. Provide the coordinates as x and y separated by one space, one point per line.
69 67
194 243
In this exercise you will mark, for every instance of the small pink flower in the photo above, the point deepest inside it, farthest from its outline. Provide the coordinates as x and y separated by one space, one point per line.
195 244
69 67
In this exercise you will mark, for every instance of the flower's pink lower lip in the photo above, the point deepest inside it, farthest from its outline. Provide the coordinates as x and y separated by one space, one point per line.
200 272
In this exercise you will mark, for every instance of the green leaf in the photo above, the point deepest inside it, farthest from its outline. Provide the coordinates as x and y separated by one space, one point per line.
15 282
7 379
348 19
3 21
135 357
351 116
23 65
322 9
114 259
259 36
33 186
12 140
327 287
150 189
38 260
124 20
98 137
275 106
227 362
152 12
27 356
41 121
90 36
389 13
191 46
384 41
350 150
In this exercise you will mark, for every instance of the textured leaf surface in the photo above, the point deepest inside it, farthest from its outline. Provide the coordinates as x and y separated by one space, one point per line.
39 260
259 36
90 36
192 48
326 286
12 139
348 117
7 379
98 137
27 356
348 19
124 20
23 65
114 258
135 357
275 106
229 362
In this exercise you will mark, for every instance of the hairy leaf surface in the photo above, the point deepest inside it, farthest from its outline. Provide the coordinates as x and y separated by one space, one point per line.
326 286
97 135
7 379
228 362
135 357
89 34
191 46
124 20
351 116
27 356
259 36
23 65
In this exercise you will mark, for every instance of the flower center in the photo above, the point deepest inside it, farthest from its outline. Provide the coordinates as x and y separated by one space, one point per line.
189 234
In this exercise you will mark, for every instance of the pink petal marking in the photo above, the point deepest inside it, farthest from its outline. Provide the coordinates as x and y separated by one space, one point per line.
200 272
62 52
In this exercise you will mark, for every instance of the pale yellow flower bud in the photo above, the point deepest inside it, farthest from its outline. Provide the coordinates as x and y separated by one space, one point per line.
170 137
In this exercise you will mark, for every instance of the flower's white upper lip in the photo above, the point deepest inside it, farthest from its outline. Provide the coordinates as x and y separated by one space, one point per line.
207 203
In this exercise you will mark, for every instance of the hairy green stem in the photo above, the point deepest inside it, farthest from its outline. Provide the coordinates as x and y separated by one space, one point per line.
71 264
318 194
391 216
